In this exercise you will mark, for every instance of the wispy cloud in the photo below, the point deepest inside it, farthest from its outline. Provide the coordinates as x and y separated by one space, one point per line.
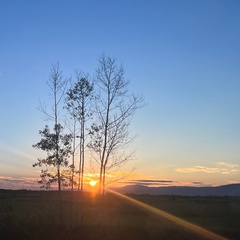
149 182
197 169
220 168
165 183
18 183
197 183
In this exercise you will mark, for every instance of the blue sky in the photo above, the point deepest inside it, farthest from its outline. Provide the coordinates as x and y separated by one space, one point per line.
183 56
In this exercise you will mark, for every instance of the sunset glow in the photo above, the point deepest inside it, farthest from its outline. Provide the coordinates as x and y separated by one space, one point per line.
92 183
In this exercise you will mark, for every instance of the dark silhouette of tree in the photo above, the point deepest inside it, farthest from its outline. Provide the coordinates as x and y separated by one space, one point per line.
58 148
56 144
114 109
72 127
77 101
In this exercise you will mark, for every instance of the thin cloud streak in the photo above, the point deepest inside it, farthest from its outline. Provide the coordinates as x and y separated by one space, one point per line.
149 182
221 168
167 183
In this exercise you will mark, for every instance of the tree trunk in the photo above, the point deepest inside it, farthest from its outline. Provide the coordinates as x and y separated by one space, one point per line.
59 178
80 163
104 178
83 147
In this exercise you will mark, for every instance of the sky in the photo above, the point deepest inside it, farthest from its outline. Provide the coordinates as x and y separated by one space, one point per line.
182 55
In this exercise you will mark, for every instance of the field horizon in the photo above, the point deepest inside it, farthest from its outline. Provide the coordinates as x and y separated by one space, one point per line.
221 190
69 215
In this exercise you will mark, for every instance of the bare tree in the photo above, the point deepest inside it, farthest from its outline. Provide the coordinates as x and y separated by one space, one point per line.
114 109
78 104
56 144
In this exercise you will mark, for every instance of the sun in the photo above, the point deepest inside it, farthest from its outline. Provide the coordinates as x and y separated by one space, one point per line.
93 183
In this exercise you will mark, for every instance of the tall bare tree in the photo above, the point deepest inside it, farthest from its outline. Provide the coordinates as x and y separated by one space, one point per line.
78 101
114 109
56 144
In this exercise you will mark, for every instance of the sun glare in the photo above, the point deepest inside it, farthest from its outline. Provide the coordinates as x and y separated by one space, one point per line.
93 183
207 234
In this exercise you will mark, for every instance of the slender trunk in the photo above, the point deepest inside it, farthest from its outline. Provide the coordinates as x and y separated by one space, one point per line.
104 178
103 160
73 153
58 164
59 178
83 144
57 134
82 170
82 173
80 163
73 168
100 180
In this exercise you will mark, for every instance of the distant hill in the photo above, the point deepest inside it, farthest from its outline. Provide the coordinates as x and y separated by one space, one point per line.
224 190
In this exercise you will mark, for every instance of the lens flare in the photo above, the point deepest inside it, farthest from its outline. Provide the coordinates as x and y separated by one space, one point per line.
201 231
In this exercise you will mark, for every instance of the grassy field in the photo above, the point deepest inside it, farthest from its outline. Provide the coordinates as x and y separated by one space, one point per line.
217 214
49 215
